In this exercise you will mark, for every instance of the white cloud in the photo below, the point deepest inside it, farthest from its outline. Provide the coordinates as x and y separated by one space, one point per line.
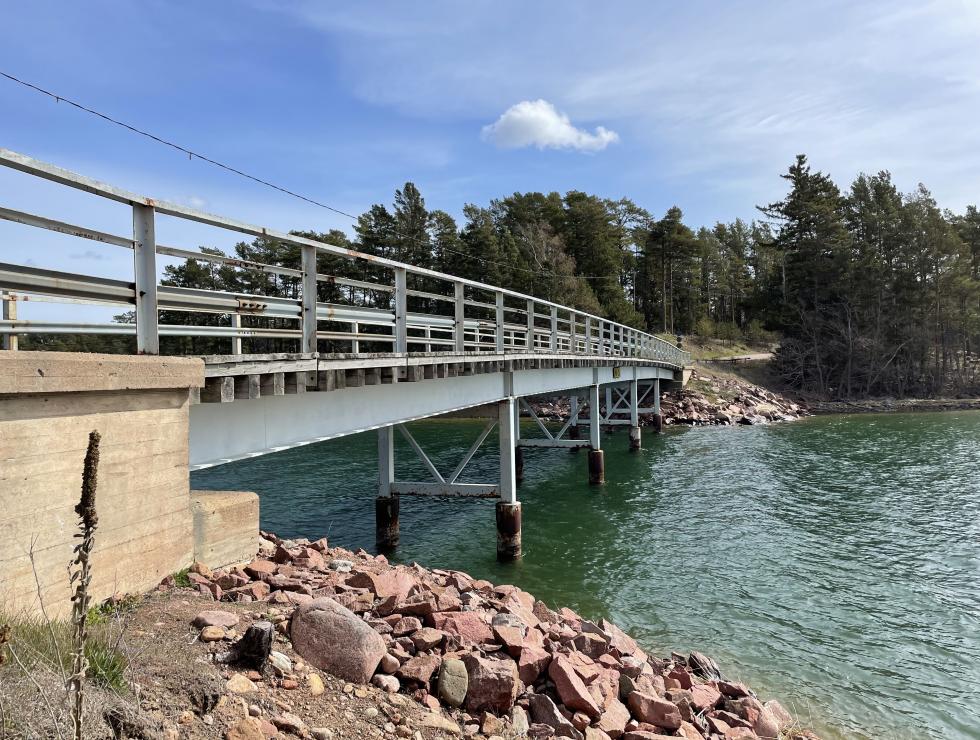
706 94
538 123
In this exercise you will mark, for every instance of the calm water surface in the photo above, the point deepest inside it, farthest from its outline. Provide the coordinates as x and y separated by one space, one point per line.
833 563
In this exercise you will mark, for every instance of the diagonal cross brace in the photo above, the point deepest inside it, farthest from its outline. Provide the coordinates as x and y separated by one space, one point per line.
534 416
463 463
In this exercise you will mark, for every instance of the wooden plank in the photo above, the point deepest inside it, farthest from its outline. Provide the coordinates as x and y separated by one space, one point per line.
247 387
272 384
295 383
218 390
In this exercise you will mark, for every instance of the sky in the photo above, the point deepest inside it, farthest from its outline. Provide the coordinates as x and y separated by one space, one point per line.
697 104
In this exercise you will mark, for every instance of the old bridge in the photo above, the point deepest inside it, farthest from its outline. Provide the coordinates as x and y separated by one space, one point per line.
368 353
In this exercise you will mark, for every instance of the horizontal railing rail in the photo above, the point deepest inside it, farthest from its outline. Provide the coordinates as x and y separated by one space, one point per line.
478 317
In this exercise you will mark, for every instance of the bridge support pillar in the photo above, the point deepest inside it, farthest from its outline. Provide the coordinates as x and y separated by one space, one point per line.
635 438
597 464
508 511
573 415
386 522
508 531
386 505
597 467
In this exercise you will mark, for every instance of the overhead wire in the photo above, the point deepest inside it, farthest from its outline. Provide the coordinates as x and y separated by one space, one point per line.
261 181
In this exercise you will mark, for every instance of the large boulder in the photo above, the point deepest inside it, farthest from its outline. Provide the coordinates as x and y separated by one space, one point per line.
470 627
570 688
335 640
654 710
493 684
544 712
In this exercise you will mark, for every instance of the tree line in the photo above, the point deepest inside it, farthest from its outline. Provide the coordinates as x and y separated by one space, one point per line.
870 291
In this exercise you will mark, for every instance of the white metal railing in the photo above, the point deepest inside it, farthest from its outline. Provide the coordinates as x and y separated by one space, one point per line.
478 318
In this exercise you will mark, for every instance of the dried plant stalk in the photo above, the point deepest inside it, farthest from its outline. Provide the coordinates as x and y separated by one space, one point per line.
80 577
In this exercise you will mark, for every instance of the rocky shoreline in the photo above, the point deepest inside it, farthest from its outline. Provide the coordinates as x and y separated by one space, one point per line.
477 659
708 400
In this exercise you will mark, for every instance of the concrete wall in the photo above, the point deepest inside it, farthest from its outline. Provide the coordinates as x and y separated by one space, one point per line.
49 402
226 526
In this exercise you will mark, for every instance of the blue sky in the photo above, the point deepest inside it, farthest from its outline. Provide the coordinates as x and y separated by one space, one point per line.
699 104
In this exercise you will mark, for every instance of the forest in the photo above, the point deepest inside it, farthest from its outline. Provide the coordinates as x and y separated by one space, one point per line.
868 291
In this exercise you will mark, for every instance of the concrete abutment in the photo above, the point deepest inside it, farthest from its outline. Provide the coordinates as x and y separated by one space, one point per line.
150 523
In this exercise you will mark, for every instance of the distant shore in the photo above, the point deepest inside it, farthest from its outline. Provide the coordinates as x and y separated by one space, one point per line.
898 405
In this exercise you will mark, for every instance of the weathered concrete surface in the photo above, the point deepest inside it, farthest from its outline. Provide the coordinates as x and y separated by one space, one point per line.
49 402
226 526
75 372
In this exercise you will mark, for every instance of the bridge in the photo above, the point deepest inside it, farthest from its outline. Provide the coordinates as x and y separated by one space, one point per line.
375 353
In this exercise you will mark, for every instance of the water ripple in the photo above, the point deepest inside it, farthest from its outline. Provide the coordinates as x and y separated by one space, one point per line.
832 563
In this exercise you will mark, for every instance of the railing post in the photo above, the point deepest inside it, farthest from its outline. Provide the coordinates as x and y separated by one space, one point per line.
355 344
459 306
553 345
401 310
145 278
500 322
9 313
530 326
588 335
572 328
308 258
236 341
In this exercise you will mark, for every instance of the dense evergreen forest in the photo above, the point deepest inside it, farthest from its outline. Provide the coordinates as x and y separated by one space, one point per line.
868 291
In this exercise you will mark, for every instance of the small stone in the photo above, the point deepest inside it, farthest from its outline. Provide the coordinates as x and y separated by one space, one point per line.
280 663
238 684
315 684
341 566
427 638
371 712
386 683
389 664
289 723
438 722
254 710
406 626
212 634
419 670
246 729
492 725
453 682
215 618
201 569
186 717
290 684
518 721
322 733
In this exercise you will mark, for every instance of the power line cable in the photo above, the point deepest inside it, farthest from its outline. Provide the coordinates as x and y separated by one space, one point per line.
192 154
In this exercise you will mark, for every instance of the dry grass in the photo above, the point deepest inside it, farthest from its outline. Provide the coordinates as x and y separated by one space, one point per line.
34 702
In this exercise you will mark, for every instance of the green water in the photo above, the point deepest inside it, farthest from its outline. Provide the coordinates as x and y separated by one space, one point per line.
833 563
